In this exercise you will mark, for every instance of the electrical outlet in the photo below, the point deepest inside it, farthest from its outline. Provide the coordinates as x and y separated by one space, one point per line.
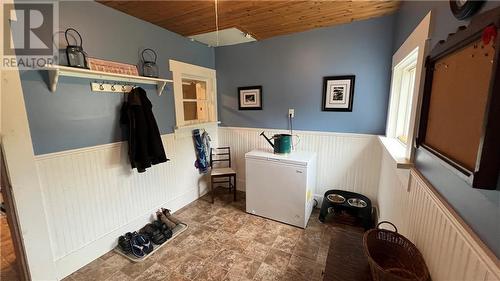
291 112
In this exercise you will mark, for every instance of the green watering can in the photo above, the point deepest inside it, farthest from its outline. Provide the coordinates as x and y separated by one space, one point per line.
282 142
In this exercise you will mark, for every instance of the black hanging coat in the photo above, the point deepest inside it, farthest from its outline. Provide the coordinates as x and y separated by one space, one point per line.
145 147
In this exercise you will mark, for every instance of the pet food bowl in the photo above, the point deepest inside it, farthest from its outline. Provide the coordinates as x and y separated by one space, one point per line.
356 202
335 198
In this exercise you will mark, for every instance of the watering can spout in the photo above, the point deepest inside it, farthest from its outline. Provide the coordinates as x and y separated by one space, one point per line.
268 140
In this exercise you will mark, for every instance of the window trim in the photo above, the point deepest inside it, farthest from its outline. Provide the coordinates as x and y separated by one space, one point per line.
401 86
417 41
184 70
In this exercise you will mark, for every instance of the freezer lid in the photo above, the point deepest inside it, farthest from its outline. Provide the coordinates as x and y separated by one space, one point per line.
301 158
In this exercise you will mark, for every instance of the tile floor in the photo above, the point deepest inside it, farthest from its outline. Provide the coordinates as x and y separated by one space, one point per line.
8 270
225 243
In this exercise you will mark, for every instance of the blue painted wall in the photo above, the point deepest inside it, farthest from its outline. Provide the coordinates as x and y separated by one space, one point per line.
75 117
291 70
479 208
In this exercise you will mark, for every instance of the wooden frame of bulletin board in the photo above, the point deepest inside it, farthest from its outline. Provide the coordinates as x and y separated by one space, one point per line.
460 118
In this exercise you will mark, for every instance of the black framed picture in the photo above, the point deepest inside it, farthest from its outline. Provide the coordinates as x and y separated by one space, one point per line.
338 92
250 98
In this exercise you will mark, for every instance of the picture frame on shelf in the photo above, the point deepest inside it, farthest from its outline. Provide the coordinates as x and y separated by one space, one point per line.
250 98
338 93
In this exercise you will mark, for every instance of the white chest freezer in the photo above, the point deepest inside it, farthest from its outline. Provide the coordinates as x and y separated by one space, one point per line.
281 186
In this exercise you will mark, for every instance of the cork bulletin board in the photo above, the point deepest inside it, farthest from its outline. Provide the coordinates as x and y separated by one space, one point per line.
460 89
460 109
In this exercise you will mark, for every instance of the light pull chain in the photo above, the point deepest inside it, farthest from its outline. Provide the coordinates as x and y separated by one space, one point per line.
216 22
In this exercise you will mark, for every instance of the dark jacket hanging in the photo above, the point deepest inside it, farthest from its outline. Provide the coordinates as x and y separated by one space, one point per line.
144 141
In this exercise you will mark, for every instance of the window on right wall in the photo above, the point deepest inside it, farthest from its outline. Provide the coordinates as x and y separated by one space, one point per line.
406 92
403 90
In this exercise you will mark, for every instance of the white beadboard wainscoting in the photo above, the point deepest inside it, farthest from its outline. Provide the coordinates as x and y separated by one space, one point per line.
91 195
451 250
345 161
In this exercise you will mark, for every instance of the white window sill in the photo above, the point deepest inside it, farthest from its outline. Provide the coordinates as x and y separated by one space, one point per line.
197 125
187 130
397 151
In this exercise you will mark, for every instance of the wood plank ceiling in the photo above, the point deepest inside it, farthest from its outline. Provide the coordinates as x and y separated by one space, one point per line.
261 19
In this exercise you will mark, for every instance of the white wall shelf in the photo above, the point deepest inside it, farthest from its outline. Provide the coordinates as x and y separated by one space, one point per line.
58 70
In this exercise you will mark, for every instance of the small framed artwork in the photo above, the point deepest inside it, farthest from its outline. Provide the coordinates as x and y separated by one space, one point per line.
338 93
250 98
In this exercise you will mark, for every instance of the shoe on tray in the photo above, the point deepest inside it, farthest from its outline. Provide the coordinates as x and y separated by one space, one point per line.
163 228
124 243
165 220
169 216
154 233
141 245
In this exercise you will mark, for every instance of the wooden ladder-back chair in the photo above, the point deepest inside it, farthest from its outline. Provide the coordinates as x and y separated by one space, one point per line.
220 162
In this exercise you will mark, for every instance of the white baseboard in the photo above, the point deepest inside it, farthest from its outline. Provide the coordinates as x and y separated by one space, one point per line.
319 199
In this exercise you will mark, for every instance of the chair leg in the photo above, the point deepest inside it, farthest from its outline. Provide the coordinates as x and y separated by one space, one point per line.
212 188
234 186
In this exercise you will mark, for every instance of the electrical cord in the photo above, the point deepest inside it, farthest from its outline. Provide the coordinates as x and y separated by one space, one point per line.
291 129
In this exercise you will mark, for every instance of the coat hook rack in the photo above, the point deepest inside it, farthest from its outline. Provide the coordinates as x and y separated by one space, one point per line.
110 87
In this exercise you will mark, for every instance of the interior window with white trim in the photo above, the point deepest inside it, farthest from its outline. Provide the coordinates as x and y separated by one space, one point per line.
194 93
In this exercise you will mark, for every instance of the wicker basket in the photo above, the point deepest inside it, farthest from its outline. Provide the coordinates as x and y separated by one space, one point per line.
392 257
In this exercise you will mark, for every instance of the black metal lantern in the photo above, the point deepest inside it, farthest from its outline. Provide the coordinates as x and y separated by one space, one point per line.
75 54
149 67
